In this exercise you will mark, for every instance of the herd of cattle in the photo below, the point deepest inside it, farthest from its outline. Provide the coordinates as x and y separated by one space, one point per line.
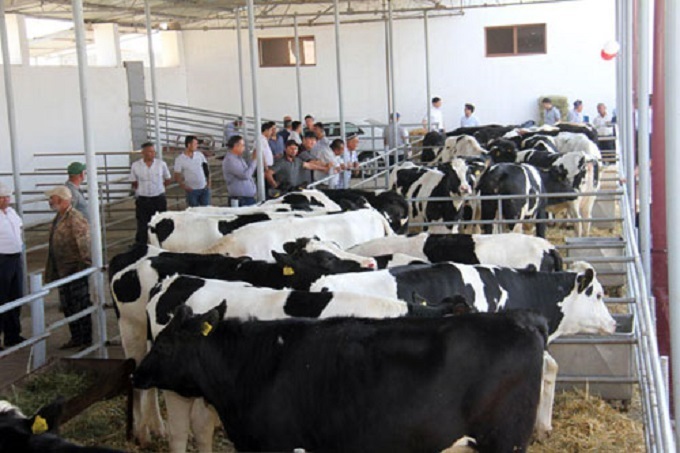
313 321
502 160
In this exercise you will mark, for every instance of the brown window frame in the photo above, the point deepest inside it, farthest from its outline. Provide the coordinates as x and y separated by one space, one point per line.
514 28
289 38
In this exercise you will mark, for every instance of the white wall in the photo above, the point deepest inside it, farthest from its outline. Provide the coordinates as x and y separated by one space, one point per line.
505 90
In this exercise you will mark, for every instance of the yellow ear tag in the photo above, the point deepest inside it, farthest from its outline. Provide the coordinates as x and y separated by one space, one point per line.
288 271
206 329
39 425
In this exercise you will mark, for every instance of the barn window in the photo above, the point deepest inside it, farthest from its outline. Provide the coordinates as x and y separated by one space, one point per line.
515 40
280 52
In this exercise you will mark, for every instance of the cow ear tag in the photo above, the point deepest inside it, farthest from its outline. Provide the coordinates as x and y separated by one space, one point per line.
39 425
206 328
288 271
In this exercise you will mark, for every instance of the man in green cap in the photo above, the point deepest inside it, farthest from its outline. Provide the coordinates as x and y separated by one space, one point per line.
76 176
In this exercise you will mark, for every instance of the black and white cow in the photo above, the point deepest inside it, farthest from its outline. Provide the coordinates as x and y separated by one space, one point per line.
456 146
36 434
539 142
133 274
580 170
571 301
582 128
483 134
502 150
512 179
248 302
390 204
258 240
507 250
433 140
569 142
397 385
447 180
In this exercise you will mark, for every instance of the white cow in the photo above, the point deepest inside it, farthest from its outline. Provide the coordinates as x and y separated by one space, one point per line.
258 240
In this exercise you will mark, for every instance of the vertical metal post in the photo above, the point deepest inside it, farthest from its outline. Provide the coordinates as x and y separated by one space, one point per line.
390 49
427 68
644 62
628 123
256 100
338 64
388 82
297 67
152 73
619 86
240 75
672 70
91 162
37 322
12 126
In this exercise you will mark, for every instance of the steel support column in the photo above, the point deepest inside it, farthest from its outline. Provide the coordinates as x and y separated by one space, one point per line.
644 61
242 87
152 73
428 84
256 100
672 114
338 64
390 49
298 81
628 123
91 163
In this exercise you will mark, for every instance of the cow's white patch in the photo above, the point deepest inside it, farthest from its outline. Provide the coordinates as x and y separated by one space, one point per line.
408 245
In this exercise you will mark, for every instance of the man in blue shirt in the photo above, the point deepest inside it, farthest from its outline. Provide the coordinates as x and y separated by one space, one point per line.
551 114
468 119
576 115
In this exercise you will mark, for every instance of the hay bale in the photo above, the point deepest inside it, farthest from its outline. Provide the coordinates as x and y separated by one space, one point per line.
417 132
561 102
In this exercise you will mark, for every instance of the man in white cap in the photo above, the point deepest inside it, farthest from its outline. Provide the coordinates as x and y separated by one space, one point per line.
68 253
11 272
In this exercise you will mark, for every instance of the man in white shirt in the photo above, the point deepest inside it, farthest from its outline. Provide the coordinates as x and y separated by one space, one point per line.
149 178
603 121
11 272
326 156
192 173
576 115
468 119
436 116
350 159
268 131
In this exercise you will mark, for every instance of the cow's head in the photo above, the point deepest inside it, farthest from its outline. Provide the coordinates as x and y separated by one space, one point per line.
583 309
556 180
432 142
394 207
326 255
456 175
168 363
476 166
502 150
19 432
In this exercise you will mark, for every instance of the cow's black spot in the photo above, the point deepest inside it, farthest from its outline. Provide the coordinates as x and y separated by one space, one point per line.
123 260
459 248
155 290
128 288
175 295
163 230
302 304
227 226
383 260
589 291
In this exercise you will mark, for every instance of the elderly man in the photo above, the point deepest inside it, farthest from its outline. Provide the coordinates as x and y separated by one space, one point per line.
11 272
603 121
192 173
76 177
69 253
149 177
552 114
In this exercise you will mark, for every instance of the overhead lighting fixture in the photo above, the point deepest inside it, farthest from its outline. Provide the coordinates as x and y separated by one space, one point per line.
163 25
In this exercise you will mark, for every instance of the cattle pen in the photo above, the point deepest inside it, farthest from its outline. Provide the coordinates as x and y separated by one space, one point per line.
628 366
